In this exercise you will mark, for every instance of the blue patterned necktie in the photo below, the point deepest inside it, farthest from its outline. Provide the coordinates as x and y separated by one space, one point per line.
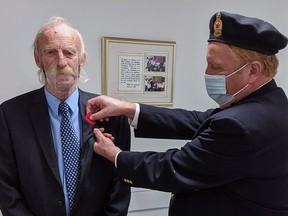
71 153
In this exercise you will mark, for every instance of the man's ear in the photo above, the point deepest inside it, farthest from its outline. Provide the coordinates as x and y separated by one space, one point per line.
37 58
255 71
83 60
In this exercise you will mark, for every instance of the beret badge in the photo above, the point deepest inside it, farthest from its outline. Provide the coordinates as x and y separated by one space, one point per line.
218 25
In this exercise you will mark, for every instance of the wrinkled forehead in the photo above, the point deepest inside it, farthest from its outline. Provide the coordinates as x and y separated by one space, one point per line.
61 34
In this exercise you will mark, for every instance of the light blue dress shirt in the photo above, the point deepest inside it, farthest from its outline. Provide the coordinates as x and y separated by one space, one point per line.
55 119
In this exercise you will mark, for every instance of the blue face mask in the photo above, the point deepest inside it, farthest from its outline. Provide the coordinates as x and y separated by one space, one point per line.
216 87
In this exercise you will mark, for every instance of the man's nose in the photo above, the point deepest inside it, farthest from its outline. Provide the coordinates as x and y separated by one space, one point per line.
62 62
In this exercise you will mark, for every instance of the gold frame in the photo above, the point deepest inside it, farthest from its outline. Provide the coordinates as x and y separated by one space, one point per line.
138 70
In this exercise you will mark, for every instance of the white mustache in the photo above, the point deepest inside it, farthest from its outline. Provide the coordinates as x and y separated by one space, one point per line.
61 79
62 71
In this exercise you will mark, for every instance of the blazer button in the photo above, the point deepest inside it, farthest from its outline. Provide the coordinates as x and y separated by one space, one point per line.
60 203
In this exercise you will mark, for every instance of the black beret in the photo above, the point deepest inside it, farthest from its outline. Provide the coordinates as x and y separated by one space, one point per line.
246 32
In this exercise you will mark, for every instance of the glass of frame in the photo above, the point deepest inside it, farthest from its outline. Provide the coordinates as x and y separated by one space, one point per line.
138 70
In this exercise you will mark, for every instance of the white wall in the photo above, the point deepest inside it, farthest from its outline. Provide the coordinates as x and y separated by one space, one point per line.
182 21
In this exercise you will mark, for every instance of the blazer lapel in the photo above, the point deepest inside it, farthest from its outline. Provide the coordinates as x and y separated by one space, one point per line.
41 123
87 141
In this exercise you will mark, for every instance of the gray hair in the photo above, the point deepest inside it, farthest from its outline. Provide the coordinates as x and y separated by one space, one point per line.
54 21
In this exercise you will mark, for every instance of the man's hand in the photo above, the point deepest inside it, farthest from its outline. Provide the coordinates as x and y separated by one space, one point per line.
103 107
104 145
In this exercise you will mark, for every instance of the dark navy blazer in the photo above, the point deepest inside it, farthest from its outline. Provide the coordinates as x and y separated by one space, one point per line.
236 163
29 177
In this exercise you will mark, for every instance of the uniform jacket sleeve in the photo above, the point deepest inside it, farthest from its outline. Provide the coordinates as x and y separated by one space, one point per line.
214 156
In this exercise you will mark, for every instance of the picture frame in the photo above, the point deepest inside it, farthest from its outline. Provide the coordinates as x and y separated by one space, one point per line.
138 70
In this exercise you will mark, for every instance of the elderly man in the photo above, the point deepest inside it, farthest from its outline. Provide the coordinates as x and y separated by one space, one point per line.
47 163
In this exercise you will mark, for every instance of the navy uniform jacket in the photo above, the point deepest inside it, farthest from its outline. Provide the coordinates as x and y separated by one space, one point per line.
236 163
29 178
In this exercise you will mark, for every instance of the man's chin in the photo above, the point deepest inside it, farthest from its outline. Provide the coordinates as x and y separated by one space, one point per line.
65 88
62 87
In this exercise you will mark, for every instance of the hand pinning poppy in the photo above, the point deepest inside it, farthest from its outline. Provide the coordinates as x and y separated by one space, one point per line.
87 118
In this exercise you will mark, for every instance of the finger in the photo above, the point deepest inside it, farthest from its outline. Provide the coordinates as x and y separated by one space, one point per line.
109 136
90 107
95 147
101 120
99 115
98 134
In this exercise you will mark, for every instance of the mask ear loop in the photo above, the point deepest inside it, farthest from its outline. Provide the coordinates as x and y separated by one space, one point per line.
237 70
240 90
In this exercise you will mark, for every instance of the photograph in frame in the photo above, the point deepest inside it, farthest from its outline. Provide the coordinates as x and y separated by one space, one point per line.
138 70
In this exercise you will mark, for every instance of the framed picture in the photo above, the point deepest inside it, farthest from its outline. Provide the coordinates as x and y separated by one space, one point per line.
138 70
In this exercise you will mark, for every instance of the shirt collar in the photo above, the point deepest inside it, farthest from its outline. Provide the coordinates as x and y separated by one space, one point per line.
54 102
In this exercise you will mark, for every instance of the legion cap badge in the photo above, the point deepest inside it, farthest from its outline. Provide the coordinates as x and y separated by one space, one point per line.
218 25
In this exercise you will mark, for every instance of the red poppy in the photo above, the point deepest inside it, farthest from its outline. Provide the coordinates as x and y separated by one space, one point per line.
87 118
